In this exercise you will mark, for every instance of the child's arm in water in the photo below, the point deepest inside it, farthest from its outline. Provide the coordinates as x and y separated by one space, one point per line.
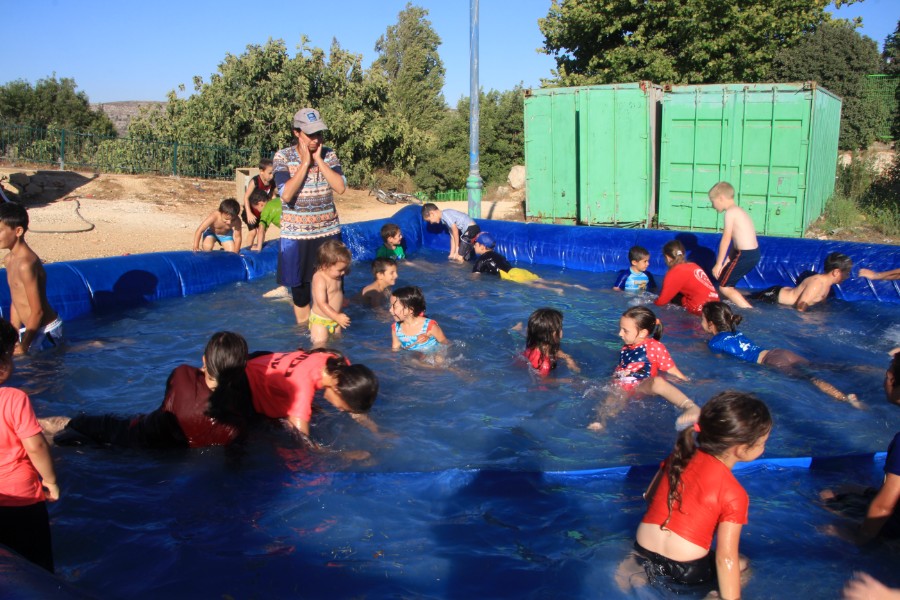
673 370
366 421
395 341
881 509
728 560
570 362
883 276
866 587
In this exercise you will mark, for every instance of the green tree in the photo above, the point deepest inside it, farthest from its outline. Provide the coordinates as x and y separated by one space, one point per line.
52 103
251 99
891 54
409 61
673 41
837 57
445 164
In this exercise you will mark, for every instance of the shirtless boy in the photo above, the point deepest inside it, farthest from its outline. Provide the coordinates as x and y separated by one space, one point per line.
378 293
222 226
326 317
813 289
739 233
39 326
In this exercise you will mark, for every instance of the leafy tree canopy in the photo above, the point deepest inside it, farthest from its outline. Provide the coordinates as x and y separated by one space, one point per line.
52 103
837 57
251 100
409 61
891 54
673 41
445 164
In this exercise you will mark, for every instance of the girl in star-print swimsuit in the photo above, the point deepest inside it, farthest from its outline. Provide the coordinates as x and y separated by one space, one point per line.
640 361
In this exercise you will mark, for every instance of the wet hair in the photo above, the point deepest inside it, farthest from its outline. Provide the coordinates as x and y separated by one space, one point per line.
636 253
729 419
645 318
892 380
357 384
331 253
9 336
14 215
380 265
839 261
258 195
428 208
544 332
719 315
723 189
675 250
226 361
230 207
389 230
412 298
265 163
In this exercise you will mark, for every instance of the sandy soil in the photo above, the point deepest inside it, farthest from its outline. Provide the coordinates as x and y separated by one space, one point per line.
86 215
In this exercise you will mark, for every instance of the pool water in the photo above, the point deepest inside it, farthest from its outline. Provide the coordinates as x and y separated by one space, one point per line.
479 487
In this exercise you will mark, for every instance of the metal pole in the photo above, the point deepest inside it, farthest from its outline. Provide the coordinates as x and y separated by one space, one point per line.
473 183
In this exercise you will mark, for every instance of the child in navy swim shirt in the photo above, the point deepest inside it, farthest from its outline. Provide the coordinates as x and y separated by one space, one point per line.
636 278
881 516
641 359
718 319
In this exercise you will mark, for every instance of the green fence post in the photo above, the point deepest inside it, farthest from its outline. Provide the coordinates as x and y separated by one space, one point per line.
62 151
175 159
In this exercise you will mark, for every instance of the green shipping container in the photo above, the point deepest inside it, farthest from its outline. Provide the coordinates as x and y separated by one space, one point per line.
590 154
775 143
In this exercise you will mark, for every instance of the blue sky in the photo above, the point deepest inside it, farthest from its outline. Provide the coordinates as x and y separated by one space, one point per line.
139 51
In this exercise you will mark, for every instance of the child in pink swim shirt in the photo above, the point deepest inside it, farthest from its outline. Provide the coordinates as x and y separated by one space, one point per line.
284 385
26 468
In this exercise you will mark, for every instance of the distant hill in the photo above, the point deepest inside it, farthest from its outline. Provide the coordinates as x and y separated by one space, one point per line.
121 113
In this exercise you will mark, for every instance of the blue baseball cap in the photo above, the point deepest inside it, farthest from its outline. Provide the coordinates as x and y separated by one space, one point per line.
485 238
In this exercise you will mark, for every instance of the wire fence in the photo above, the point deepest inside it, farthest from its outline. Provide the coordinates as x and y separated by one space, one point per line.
70 149
883 88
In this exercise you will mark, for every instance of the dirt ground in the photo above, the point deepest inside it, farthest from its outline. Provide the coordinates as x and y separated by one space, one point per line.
88 215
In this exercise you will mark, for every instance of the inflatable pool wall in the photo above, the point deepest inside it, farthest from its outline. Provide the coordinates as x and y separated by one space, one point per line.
80 287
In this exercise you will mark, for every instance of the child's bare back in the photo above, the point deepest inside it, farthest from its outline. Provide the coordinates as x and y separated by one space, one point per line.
812 290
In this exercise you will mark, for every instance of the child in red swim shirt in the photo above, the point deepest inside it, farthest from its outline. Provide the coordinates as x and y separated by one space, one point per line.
542 342
685 283
695 497
284 384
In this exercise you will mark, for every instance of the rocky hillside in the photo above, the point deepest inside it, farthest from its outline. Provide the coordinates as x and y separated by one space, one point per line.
121 113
